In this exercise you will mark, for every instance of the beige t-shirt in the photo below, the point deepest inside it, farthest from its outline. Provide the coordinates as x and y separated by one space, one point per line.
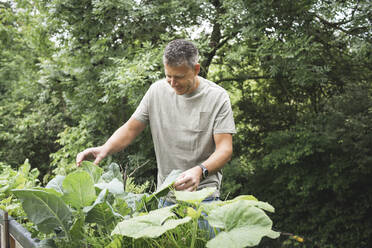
182 126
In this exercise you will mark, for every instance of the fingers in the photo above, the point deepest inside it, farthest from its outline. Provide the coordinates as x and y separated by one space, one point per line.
90 153
187 183
79 158
97 160
180 181
189 180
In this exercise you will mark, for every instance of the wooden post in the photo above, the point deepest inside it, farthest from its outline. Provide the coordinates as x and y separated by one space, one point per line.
6 230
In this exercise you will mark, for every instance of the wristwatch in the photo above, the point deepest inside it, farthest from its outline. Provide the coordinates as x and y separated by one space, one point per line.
205 171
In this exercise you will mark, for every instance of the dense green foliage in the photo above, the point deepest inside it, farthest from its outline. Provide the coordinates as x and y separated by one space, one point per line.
298 73
91 208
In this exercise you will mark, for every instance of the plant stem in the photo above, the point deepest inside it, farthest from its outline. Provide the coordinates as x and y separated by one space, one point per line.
158 245
172 239
194 233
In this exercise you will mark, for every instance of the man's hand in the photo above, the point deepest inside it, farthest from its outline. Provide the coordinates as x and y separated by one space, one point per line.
96 153
189 180
121 138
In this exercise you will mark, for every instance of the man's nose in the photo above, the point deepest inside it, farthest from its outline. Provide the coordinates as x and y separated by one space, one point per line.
172 82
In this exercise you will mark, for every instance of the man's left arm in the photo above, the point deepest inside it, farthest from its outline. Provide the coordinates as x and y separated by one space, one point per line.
190 179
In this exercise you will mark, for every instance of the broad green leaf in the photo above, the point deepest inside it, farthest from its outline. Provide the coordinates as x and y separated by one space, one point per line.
134 201
77 228
193 213
50 190
94 171
251 200
116 243
243 225
100 198
79 189
151 225
150 200
44 209
263 205
241 237
163 189
195 197
244 197
254 202
112 172
121 207
100 212
115 186
56 184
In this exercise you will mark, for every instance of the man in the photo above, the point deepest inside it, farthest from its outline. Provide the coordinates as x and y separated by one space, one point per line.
191 123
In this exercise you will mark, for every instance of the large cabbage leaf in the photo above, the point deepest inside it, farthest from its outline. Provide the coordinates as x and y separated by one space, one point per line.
45 209
151 225
94 171
195 197
251 200
243 225
56 184
112 172
79 189
101 211
115 186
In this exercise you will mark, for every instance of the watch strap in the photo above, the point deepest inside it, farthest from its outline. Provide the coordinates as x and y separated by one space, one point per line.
205 171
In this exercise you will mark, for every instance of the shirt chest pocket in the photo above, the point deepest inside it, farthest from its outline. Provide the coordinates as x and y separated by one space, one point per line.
204 121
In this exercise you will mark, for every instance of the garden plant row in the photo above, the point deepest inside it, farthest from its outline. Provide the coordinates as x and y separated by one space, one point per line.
90 207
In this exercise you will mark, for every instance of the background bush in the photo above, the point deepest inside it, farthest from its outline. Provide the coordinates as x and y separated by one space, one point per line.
298 73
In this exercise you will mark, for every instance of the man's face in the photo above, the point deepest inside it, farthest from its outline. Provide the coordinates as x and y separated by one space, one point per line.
182 79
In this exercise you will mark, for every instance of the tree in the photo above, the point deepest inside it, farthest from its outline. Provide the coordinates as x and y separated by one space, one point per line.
298 73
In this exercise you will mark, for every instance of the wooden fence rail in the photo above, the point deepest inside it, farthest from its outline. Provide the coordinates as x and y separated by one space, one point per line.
13 234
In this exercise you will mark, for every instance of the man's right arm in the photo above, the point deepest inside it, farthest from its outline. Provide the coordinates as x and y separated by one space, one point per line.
117 142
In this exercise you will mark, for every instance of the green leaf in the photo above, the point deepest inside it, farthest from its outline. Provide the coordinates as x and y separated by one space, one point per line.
134 201
195 197
50 190
150 200
115 186
56 184
168 182
116 243
77 228
44 209
193 213
100 212
79 189
112 172
251 200
121 207
244 197
244 225
94 171
151 225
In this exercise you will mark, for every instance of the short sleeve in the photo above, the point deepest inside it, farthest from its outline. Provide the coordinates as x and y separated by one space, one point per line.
224 122
142 111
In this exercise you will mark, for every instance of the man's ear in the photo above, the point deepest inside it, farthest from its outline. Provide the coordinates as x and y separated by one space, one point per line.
197 68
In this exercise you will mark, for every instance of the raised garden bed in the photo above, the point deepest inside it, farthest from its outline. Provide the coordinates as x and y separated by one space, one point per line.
13 234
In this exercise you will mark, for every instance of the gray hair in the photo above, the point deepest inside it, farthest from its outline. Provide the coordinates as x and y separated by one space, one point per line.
180 51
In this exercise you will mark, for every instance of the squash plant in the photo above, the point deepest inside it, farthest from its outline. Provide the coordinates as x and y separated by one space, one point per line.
21 178
90 208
